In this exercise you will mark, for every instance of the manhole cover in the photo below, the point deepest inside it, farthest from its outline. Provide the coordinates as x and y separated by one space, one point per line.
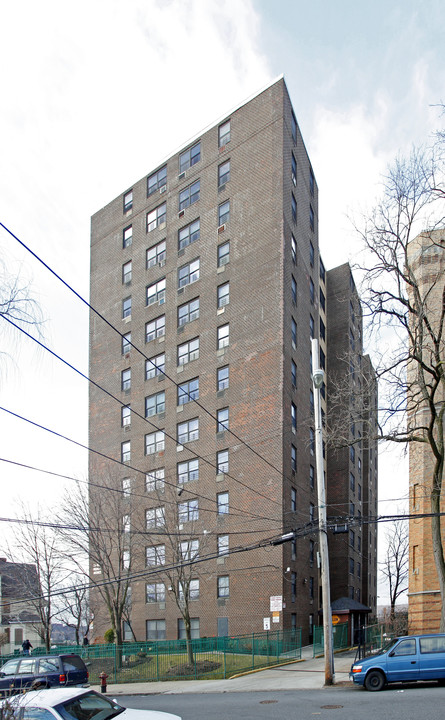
331 707
268 702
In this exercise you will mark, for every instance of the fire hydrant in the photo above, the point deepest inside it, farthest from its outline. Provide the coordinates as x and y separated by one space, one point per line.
103 682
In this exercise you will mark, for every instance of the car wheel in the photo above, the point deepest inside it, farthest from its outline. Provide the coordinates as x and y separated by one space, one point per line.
375 681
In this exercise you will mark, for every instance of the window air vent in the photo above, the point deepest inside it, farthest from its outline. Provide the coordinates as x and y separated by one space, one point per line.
221 229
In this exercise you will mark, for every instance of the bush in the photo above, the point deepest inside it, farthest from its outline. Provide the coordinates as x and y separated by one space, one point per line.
109 635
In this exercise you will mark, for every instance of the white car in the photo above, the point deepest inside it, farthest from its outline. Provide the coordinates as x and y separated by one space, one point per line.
74 704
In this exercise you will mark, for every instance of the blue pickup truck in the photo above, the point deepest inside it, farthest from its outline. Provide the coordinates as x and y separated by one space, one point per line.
403 659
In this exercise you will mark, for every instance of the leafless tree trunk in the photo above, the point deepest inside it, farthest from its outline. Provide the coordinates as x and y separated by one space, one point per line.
395 566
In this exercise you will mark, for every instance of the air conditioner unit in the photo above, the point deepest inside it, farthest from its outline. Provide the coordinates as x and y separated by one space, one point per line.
163 189
181 213
181 176
221 229
161 263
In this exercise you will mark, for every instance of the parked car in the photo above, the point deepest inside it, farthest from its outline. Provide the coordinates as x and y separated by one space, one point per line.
44 671
403 659
76 704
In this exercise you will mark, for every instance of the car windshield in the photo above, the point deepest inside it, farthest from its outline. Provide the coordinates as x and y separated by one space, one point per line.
88 706
387 647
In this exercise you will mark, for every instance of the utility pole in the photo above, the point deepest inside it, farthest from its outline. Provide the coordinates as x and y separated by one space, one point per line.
317 381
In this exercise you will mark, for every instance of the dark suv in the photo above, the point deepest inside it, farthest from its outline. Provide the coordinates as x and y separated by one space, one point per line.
42 672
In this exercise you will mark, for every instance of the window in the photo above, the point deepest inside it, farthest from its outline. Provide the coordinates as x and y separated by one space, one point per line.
188 274
126 379
222 503
322 300
223 336
322 330
189 234
311 401
351 566
224 134
194 622
222 378
155 292
223 586
128 201
311 512
293 499
311 217
294 333
188 391
223 254
155 328
154 480
188 312
352 481
126 487
155 629
311 291
188 471
126 416
155 517
223 544
294 169
189 195
126 343
126 559
311 327
126 307
352 454
294 208
222 461
293 585
293 372
359 491
188 431
223 295
224 212
193 592
188 351
311 181
156 254
155 404
190 157
154 592
293 125
322 271
294 290
157 218
311 476
126 451
154 442
188 511
155 555
293 247
127 236
322 359
189 549
224 173
293 458
312 441
352 538
126 272
157 180
154 366
311 254
293 413
222 417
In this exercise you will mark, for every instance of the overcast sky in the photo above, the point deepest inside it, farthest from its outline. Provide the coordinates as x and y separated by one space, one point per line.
96 93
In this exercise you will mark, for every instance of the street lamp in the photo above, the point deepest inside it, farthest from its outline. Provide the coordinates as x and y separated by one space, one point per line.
317 381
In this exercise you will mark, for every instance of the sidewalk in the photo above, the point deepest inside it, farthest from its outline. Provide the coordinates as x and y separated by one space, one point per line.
306 674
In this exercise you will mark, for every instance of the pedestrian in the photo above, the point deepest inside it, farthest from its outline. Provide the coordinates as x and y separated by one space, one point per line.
26 647
86 642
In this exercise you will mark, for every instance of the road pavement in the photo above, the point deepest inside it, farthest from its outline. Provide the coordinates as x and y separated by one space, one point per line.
306 674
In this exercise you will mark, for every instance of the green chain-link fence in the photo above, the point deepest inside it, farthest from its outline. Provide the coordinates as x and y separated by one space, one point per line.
340 637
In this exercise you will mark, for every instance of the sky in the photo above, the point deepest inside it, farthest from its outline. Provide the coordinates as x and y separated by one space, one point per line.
96 93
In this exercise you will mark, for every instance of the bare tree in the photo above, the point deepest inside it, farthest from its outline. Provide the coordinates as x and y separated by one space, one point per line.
37 547
76 612
17 306
405 309
395 566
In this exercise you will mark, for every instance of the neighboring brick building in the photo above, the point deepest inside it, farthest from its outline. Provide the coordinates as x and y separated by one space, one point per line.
210 267
426 257
352 478
18 618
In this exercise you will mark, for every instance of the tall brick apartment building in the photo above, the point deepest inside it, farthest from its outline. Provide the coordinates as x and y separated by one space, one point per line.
427 261
209 267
